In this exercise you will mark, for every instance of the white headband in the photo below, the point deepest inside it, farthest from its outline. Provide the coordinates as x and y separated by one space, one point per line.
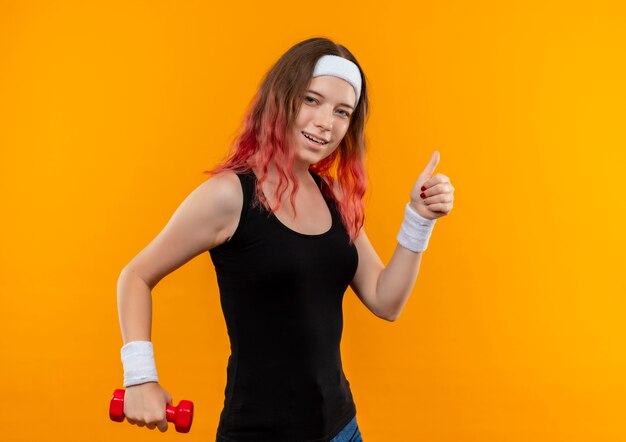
342 68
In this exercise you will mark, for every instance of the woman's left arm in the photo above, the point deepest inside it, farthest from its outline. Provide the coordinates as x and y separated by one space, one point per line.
385 290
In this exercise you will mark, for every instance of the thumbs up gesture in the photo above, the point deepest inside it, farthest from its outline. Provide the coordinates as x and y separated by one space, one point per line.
432 195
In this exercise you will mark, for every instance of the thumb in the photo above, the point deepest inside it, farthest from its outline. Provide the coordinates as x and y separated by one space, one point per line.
168 398
430 167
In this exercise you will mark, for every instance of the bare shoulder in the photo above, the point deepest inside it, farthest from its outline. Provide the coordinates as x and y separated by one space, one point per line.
220 197
223 202
206 218
222 192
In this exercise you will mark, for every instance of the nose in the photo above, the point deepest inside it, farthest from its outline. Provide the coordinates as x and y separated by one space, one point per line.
324 119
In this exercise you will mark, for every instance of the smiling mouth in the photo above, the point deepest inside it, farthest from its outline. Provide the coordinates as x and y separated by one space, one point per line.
308 137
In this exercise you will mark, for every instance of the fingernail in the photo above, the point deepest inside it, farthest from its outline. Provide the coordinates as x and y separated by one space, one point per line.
422 195
423 188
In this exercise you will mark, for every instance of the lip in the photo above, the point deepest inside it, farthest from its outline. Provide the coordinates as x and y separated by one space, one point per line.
313 135
312 145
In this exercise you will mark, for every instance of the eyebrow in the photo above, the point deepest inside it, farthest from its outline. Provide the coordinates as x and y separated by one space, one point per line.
341 104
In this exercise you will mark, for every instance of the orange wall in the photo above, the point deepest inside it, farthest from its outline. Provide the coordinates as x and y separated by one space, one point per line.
109 112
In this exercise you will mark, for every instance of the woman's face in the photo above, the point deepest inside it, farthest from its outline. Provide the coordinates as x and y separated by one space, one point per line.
327 107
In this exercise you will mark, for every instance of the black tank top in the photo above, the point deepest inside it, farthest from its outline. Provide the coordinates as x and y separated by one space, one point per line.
281 293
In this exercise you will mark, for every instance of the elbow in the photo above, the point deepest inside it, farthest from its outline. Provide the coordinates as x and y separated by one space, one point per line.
129 272
124 272
392 318
386 312
389 316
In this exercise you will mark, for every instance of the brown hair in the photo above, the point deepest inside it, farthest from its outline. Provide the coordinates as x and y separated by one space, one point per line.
272 112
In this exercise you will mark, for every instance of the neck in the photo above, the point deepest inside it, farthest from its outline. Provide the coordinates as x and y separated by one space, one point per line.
301 170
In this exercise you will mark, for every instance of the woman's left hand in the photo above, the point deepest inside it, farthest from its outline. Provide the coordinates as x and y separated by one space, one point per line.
432 196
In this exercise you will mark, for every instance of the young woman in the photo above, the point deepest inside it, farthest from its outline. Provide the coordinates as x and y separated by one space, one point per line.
282 218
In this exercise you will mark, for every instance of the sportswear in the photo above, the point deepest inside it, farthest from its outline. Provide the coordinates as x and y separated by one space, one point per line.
138 362
415 230
342 68
281 293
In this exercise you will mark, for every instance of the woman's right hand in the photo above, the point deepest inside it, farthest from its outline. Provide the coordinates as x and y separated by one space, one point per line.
144 404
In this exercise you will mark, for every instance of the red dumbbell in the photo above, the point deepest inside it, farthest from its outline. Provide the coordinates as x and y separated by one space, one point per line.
181 415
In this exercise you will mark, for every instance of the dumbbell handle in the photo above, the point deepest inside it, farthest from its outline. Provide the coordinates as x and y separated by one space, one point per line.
181 415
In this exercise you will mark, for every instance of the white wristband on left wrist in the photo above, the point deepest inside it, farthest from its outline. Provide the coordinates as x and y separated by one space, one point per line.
415 230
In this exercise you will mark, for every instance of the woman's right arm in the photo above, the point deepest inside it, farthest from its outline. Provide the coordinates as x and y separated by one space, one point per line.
206 218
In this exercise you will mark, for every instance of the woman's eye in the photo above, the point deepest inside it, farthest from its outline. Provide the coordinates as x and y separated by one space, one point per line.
313 100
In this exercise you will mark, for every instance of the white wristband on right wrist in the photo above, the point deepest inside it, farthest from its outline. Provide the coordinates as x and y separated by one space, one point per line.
415 230
138 362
